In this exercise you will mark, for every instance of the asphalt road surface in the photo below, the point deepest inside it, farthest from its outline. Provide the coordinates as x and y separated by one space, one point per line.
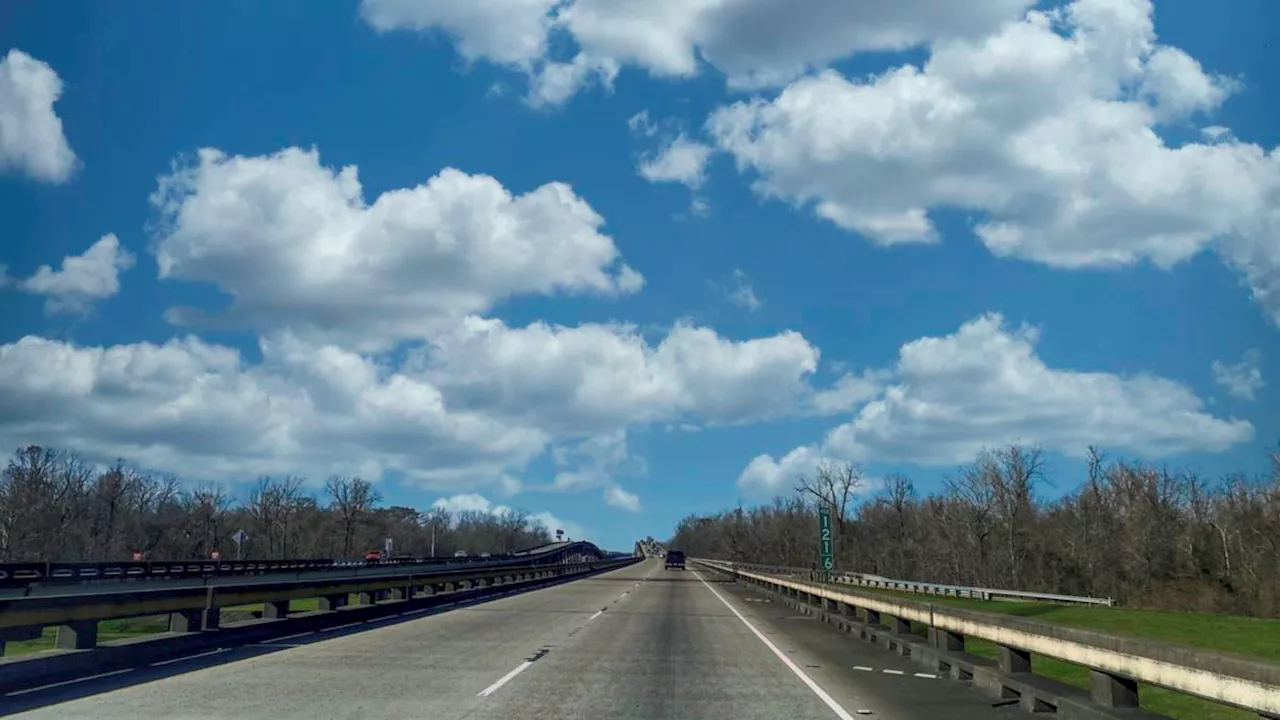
637 644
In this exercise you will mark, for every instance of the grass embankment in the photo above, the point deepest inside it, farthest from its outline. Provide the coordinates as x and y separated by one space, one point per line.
148 625
1253 637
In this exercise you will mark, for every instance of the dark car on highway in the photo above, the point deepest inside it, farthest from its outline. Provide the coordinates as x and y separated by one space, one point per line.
675 558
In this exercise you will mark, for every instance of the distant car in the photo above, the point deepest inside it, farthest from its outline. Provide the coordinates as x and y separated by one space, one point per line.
460 553
373 556
484 555
675 559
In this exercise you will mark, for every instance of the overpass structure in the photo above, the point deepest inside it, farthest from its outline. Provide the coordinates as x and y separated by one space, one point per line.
568 631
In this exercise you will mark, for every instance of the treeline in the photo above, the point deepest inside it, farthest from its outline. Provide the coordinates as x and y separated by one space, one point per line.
53 506
1145 535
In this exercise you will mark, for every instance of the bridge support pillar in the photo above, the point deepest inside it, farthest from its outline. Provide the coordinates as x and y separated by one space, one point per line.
332 602
1112 691
81 635
186 621
899 626
275 609
873 617
1014 660
402 593
367 597
947 640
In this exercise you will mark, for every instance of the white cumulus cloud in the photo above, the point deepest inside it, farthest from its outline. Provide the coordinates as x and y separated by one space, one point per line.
1038 130
681 161
295 245
474 502
616 496
984 386
201 410
1243 379
755 43
31 138
739 292
577 380
82 279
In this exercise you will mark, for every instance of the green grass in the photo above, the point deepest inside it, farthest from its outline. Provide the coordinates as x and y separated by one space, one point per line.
136 627
299 605
107 630
1253 637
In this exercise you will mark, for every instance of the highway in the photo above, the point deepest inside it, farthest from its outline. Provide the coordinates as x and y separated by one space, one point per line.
641 642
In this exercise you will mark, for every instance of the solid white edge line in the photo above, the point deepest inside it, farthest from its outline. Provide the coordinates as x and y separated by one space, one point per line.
171 661
72 681
505 679
808 681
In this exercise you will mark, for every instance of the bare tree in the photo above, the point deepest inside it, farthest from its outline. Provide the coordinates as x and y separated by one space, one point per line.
352 499
834 485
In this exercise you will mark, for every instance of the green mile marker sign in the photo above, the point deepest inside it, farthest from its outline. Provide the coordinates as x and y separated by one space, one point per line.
824 538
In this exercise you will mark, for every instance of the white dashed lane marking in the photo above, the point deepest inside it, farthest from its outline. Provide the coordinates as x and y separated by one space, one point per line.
890 671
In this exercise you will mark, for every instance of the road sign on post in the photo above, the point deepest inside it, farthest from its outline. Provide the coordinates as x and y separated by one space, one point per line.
825 543
240 537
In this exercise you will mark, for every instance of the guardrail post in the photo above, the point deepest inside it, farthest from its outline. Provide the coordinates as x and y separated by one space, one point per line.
81 635
332 602
1014 660
275 609
1112 690
212 618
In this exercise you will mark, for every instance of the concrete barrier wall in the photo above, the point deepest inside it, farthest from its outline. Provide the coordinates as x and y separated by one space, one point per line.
1116 663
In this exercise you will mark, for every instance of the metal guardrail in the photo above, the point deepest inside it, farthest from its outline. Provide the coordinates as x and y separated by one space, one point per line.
22 575
961 591
1116 664
193 608
195 625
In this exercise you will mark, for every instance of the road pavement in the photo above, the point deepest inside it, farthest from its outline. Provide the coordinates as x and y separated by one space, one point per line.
638 643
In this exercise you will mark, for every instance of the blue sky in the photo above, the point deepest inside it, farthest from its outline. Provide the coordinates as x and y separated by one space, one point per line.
890 238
